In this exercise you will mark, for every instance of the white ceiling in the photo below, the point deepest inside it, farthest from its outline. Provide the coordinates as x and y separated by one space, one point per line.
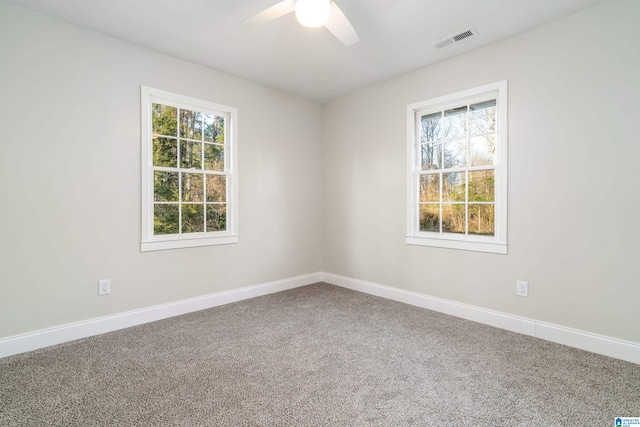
395 35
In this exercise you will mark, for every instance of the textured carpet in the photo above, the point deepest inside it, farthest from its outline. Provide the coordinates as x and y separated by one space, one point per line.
315 356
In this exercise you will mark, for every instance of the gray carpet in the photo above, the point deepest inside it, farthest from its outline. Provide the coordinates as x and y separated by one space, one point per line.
315 356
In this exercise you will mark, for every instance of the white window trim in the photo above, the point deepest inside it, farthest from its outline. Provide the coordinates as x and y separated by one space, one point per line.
493 244
149 242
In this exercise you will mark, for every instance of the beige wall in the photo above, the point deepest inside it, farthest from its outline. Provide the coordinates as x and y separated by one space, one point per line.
574 192
322 188
70 178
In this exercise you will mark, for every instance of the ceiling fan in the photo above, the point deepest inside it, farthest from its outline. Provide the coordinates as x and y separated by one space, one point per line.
311 13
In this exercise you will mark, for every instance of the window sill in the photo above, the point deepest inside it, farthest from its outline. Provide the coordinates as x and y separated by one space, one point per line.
495 248
187 243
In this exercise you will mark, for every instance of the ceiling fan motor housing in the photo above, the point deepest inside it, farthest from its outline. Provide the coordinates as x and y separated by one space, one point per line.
313 13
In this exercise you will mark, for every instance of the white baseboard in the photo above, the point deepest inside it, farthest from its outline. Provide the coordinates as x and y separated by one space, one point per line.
600 344
73 331
607 346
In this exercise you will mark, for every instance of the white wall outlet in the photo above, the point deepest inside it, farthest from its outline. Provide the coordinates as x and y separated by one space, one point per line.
522 288
104 287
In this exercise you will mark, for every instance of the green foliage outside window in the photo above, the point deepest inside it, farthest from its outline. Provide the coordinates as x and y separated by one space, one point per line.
189 184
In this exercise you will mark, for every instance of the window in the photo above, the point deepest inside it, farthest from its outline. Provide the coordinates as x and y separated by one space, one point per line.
457 170
189 181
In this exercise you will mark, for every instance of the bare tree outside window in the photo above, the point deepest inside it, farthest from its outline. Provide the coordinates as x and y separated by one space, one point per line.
457 158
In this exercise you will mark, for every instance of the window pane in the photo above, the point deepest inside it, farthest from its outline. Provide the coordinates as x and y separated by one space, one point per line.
482 118
190 155
482 219
430 217
192 218
165 186
208 127
455 154
430 127
430 155
482 186
165 219
216 188
482 150
197 126
216 217
190 124
165 152
192 187
430 188
453 218
213 157
164 120
455 123
453 187
213 128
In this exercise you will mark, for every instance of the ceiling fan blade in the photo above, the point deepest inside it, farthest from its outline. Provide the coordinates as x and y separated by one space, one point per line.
340 26
275 11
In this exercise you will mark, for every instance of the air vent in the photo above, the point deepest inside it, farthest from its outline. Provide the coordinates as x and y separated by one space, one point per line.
455 38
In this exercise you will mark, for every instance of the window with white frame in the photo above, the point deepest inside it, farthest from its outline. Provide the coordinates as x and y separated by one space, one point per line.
189 182
457 170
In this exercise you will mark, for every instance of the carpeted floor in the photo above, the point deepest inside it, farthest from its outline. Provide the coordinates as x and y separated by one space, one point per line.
315 356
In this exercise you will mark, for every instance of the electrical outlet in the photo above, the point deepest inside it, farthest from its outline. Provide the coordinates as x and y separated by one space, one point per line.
522 288
104 287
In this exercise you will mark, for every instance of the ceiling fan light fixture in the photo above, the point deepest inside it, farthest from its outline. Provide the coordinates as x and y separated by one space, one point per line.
313 13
